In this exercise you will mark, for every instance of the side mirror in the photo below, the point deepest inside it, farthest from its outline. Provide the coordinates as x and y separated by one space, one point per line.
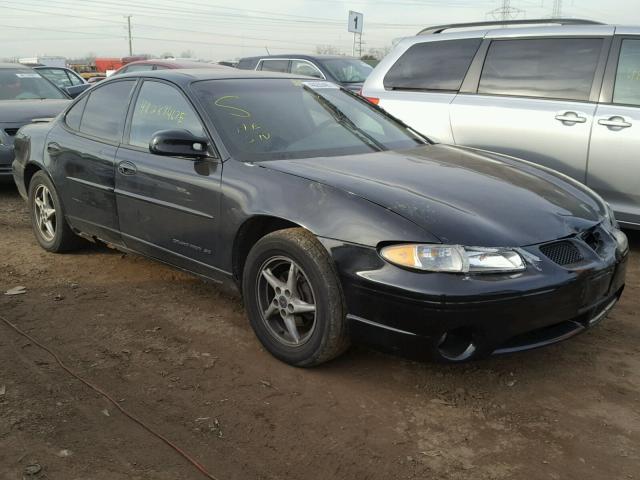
76 90
178 143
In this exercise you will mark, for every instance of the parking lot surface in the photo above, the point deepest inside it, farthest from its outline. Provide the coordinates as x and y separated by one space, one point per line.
180 354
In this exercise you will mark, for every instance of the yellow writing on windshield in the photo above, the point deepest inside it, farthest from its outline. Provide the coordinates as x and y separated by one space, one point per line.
223 102
253 132
166 112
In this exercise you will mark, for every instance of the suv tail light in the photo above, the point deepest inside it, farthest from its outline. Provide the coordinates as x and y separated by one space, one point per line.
373 100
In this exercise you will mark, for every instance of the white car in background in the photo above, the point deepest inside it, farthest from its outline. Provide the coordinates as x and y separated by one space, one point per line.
565 95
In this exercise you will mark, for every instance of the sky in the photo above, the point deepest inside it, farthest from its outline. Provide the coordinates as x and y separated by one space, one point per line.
226 30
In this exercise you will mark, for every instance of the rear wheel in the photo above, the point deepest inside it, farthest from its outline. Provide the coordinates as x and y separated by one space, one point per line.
47 216
294 299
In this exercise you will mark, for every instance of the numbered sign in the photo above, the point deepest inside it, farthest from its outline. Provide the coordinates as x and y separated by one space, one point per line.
355 22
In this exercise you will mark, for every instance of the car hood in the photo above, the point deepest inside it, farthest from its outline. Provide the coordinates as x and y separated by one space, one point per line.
24 111
461 195
353 87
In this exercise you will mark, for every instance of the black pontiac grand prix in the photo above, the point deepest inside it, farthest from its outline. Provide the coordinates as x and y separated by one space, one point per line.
336 221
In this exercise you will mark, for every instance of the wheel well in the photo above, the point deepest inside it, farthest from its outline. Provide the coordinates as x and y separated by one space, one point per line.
249 233
30 170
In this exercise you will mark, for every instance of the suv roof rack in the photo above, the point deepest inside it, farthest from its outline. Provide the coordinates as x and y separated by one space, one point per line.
536 21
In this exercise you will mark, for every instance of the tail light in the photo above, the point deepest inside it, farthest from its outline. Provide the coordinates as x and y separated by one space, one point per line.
373 100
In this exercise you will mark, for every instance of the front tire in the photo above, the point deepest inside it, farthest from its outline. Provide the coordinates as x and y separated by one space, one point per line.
47 217
294 299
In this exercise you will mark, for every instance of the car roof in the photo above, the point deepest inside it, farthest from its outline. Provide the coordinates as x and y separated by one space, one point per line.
303 56
187 76
167 62
523 30
14 65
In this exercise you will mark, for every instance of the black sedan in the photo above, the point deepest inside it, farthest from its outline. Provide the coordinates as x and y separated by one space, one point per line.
25 97
336 221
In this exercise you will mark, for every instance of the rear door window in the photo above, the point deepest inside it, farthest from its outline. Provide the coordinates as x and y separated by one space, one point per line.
557 68
57 76
439 65
74 115
275 65
161 107
627 86
104 114
303 67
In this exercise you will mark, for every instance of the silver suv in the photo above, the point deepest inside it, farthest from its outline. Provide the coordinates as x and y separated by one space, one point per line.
566 96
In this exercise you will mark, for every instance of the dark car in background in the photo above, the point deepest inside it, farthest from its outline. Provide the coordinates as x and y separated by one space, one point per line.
164 64
346 71
65 79
25 96
61 76
335 220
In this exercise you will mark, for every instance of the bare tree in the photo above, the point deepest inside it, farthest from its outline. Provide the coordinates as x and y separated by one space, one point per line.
327 50
378 53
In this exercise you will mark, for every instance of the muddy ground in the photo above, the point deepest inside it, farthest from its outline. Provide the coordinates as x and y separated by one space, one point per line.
180 354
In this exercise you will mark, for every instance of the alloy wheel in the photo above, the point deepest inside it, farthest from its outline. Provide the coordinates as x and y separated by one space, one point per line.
286 300
45 213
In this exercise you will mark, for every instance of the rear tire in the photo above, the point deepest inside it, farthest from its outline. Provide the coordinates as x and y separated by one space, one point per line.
49 224
294 299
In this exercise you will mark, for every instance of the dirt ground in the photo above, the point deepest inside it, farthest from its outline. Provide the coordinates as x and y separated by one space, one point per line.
181 355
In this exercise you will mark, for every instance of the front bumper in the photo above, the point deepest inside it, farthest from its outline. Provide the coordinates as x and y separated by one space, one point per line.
457 317
6 157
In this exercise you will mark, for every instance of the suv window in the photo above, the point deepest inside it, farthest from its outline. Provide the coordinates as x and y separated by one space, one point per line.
439 65
275 65
627 87
74 115
561 68
161 107
104 114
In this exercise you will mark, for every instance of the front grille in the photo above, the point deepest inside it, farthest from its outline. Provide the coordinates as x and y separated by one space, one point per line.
11 131
562 253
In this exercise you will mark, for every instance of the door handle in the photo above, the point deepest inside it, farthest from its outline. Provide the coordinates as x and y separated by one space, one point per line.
570 117
54 148
127 168
614 122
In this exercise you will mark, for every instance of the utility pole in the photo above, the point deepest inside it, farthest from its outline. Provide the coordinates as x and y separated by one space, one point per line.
557 9
506 8
506 11
129 29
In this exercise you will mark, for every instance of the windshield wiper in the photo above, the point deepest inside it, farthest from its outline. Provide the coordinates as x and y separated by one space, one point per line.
345 121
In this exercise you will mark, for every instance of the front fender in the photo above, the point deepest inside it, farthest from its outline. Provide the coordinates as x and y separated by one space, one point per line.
250 190
29 145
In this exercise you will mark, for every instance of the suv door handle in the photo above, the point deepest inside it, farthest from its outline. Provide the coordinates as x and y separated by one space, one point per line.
614 122
570 117
127 168
54 148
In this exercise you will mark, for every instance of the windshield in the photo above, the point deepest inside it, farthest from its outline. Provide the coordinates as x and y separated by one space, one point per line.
347 70
23 84
271 119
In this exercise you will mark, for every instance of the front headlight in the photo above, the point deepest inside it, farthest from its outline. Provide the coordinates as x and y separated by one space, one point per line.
622 241
610 217
453 258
